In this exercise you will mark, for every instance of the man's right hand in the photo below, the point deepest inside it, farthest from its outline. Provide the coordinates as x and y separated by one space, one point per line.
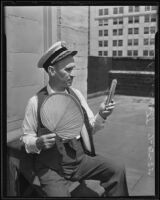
45 141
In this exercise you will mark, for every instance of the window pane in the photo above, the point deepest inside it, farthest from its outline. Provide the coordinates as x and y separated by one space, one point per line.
146 18
152 29
136 30
130 20
147 8
135 42
153 18
130 31
114 31
119 53
115 11
151 53
130 8
114 53
136 8
105 22
106 11
135 53
152 41
146 30
120 31
100 22
146 41
154 7
145 53
120 42
114 43
105 43
100 44
100 32
100 53
129 53
121 10
136 19
130 42
100 11
105 53
121 20
114 21
105 32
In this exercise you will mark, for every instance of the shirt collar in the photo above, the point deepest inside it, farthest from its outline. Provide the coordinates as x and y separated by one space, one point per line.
50 90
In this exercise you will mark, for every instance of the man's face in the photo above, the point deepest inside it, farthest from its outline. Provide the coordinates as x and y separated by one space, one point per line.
63 71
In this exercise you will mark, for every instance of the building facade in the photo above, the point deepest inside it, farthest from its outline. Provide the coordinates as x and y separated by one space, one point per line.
127 31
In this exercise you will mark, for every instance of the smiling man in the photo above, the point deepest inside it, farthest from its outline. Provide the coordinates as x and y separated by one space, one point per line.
78 161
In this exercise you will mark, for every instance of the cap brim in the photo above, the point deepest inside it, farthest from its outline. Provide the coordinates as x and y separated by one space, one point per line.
67 53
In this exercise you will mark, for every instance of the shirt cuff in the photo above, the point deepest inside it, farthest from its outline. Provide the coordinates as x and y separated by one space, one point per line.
99 119
30 144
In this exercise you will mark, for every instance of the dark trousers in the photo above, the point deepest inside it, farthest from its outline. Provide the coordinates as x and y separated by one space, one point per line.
77 166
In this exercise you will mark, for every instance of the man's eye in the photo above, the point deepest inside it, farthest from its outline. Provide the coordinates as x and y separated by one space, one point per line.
69 69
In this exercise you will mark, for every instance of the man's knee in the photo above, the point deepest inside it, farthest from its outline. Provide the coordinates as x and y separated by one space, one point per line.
119 168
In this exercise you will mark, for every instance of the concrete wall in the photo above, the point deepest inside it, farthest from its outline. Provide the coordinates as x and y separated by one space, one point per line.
29 32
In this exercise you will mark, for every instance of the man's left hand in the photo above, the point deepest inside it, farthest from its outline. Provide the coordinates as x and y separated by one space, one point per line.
106 110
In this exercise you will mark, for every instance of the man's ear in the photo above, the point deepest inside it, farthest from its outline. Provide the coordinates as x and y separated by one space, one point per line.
51 70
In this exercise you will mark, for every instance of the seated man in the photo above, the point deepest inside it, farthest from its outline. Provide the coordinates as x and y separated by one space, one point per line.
78 161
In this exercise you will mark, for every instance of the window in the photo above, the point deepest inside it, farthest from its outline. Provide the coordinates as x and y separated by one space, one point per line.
145 53
146 30
152 29
136 19
105 22
135 42
106 11
100 53
130 42
105 53
100 12
136 8
152 41
100 43
119 53
146 18
100 32
147 8
153 18
151 53
114 31
100 22
120 43
114 43
114 53
154 7
120 32
121 10
136 30
135 53
130 9
130 31
129 53
115 11
121 20
115 21
105 32
130 20
146 41
105 43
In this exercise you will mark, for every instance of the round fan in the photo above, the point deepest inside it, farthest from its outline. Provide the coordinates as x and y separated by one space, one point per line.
62 115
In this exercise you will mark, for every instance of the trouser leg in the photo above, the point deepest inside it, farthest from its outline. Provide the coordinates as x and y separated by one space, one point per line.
111 174
53 184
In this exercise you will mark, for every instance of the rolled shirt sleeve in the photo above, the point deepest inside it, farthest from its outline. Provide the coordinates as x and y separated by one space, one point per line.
29 126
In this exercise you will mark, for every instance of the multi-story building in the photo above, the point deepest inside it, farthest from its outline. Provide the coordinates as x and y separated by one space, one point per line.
127 31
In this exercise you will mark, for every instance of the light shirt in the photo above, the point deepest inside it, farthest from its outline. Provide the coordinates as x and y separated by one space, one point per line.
29 125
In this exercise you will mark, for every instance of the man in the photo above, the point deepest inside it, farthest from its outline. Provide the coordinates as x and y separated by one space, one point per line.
79 161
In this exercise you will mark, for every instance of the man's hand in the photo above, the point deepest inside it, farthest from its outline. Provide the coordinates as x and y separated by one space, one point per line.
106 110
45 141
